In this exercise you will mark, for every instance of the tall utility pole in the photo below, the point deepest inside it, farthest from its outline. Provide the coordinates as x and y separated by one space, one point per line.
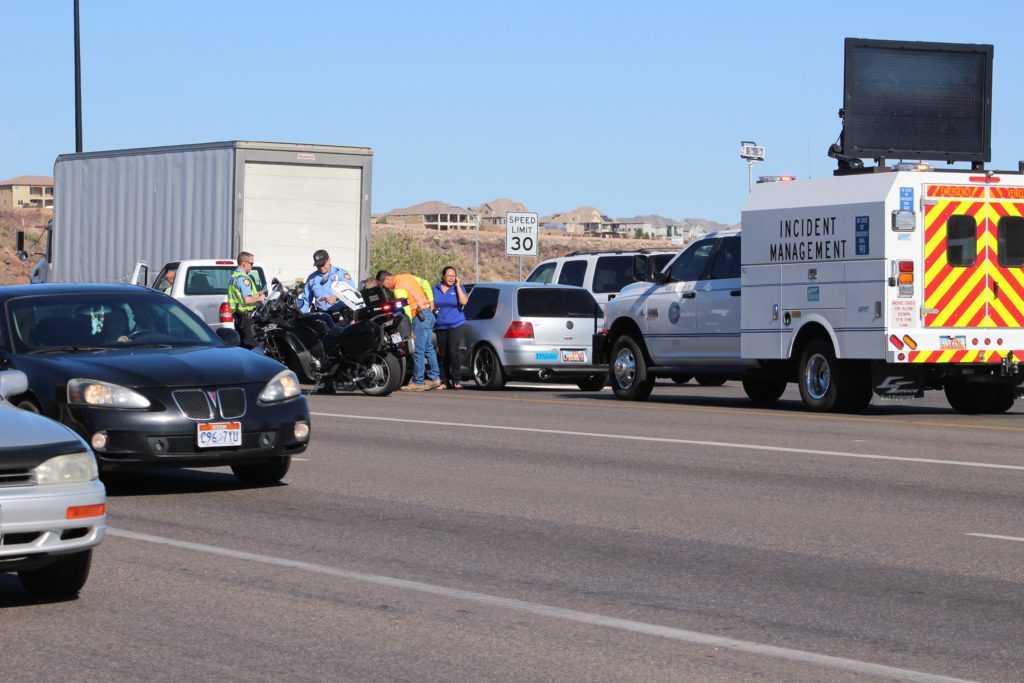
78 86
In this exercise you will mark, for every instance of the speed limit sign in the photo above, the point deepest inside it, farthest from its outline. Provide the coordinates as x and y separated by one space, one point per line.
521 233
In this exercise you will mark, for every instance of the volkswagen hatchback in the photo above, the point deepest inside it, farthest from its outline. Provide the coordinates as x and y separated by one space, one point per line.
522 330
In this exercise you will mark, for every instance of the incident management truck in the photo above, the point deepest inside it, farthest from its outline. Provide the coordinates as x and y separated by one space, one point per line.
885 280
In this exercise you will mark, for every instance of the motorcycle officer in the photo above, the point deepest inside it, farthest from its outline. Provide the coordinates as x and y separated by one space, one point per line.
318 290
320 297
243 295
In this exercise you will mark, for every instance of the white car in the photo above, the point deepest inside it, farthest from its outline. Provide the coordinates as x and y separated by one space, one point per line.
52 503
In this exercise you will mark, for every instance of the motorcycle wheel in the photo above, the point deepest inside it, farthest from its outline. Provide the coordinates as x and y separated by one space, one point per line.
386 374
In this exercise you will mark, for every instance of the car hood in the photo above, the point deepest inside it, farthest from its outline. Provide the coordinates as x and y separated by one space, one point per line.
181 367
22 429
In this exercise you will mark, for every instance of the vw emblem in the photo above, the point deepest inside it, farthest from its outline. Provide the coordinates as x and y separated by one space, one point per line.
568 324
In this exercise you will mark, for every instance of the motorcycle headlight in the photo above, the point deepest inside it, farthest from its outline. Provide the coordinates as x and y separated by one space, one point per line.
92 392
285 385
73 468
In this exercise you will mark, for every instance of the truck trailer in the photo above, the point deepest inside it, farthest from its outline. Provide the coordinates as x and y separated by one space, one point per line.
280 201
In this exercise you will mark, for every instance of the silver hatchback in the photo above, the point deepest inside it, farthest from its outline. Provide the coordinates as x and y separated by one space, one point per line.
523 330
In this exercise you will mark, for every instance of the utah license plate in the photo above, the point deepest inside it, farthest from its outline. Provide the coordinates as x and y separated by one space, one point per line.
574 356
219 434
396 338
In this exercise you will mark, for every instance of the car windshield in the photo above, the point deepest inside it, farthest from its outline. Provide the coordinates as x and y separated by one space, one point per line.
97 321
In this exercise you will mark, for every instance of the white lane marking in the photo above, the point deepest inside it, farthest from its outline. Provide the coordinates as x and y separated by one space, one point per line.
998 537
294 459
688 442
744 646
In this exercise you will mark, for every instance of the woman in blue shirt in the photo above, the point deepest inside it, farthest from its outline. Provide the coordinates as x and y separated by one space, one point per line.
449 298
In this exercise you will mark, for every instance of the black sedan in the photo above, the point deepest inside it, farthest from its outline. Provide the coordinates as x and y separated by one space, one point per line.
148 384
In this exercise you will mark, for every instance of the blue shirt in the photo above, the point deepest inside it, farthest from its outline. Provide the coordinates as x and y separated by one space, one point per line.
318 288
449 312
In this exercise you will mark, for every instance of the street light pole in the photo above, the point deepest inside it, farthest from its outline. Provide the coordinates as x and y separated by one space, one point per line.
78 86
753 153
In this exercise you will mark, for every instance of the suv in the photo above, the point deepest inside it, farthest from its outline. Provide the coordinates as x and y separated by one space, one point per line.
519 330
603 273
202 285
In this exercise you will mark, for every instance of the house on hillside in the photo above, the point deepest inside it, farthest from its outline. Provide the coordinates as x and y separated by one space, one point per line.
586 220
433 215
492 213
656 227
27 192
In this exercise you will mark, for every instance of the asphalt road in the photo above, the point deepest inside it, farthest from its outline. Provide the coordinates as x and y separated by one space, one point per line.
551 534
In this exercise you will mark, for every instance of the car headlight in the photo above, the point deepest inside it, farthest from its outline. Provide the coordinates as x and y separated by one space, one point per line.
72 468
92 392
285 385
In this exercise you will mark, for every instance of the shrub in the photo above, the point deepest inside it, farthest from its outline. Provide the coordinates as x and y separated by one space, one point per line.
396 253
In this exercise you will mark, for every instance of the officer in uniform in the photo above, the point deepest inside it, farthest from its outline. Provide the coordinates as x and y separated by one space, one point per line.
243 295
321 297
318 290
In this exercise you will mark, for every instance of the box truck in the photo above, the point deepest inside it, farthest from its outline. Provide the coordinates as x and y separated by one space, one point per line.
280 201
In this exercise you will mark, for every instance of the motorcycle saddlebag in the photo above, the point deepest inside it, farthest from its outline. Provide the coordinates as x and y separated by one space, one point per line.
358 338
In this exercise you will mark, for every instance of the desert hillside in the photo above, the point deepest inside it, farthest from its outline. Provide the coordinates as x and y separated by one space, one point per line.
458 248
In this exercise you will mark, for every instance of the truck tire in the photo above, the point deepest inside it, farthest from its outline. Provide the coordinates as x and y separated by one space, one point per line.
487 372
66 576
824 382
710 380
764 390
972 398
628 370
1003 400
682 379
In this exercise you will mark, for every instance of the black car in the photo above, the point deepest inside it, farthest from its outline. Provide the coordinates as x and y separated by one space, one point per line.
147 383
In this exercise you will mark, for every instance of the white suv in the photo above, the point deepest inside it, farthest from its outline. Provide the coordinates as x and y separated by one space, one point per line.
604 273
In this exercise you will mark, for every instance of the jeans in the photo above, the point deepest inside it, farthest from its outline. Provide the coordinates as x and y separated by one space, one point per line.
449 353
423 330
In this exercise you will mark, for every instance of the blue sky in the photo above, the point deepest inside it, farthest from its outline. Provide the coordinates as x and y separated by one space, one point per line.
633 107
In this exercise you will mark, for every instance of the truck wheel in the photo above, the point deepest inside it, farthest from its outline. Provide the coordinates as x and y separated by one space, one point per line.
593 382
1003 401
823 385
66 576
487 369
972 398
710 380
764 390
263 473
629 370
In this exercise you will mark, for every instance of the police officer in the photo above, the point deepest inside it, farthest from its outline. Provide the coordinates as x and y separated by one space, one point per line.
318 285
243 295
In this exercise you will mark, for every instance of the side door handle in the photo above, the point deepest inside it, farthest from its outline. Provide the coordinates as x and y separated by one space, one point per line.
689 295
995 289
734 292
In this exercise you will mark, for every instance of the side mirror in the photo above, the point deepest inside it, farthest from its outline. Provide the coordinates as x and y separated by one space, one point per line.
229 336
659 277
13 382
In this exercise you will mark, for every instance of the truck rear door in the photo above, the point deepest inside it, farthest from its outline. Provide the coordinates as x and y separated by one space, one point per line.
974 250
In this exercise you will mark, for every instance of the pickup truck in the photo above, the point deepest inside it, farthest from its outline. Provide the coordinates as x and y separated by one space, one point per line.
200 284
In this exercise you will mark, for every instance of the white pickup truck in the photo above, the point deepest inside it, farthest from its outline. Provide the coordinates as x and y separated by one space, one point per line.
200 284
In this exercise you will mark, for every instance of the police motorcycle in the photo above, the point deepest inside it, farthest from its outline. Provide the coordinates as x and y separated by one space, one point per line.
357 345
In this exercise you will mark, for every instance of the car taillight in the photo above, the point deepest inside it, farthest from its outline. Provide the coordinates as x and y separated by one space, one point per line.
225 313
519 330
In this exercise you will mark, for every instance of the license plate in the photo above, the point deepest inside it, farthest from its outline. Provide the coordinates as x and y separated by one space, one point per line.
396 338
574 356
219 434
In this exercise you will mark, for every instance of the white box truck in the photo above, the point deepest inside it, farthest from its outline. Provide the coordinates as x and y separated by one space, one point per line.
280 201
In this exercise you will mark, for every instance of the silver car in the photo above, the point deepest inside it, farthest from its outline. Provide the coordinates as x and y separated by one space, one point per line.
52 504
524 330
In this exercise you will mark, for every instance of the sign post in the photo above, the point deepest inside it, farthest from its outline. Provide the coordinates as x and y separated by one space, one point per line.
522 232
